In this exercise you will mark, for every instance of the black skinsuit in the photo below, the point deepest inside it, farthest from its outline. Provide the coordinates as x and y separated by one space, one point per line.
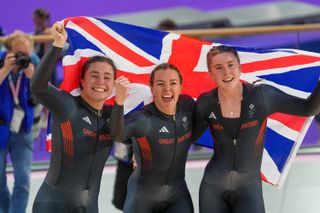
231 182
81 145
161 149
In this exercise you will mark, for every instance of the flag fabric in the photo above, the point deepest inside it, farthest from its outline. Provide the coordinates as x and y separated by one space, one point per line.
137 50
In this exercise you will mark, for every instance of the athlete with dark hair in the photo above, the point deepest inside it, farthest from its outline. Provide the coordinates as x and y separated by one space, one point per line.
236 114
81 142
163 131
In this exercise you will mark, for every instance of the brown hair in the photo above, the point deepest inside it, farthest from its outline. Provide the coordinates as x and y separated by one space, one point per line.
42 14
167 24
164 66
97 58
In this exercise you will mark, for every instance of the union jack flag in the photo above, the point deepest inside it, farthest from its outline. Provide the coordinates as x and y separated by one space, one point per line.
137 50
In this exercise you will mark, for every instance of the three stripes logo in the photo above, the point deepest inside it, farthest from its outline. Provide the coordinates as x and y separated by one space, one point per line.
86 119
164 129
212 115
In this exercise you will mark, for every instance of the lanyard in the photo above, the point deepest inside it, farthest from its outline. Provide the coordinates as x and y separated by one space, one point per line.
15 89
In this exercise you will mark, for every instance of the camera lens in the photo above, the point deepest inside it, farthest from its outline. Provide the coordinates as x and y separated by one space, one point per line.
22 60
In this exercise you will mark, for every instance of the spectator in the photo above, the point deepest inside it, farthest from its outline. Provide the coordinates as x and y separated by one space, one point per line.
167 24
2 33
41 20
42 23
16 117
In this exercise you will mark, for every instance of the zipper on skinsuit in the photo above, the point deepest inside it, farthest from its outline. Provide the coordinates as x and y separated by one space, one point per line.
234 146
234 142
174 149
95 146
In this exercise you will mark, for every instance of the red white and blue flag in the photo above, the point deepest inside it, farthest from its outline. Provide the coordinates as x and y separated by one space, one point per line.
137 50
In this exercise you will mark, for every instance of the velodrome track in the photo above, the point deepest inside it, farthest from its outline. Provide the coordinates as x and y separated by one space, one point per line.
299 194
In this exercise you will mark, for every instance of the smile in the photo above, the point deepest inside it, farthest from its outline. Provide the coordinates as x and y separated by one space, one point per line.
167 98
99 89
228 79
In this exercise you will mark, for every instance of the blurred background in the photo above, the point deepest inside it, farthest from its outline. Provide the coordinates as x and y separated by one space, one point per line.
300 192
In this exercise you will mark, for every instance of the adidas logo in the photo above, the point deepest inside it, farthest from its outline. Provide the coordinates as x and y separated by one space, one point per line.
212 115
86 119
164 129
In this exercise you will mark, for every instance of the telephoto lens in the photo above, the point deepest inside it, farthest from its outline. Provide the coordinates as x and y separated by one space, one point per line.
22 60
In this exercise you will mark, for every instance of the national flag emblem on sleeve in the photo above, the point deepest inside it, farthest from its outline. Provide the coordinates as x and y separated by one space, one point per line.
137 50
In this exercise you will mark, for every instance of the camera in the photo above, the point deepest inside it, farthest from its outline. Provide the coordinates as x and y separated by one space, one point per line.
22 60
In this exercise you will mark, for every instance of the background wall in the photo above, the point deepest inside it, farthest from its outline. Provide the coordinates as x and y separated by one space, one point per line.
17 14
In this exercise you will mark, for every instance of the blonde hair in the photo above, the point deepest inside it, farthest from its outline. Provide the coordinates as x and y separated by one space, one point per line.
216 50
17 36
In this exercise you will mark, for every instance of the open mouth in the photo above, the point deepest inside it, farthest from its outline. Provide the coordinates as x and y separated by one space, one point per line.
167 98
228 79
96 89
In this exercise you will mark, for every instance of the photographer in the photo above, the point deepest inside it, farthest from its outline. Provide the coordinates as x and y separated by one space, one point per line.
16 118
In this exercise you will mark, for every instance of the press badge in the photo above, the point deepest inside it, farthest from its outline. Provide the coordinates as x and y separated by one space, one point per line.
18 115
